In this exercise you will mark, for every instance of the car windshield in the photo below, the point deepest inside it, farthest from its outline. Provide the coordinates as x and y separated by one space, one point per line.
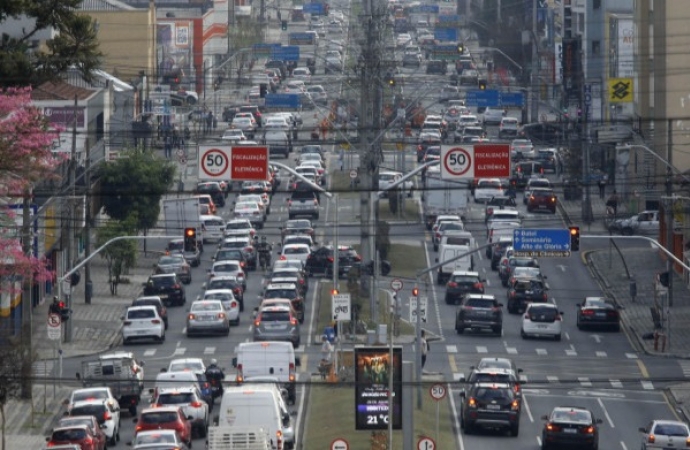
222 284
89 410
88 395
74 434
577 416
162 281
488 377
177 398
237 226
464 279
479 303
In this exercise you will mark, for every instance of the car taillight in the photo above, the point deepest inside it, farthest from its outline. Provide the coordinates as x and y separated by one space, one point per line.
291 370
438 235
191 317
330 258
357 258
472 403
558 317
257 322
587 312
290 201
128 322
107 415
233 304
195 404
489 211
283 257
176 286
478 286
156 321
552 427
544 296
316 202
301 281
515 405
452 284
221 315
588 430
241 263
138 428
237 290
651 439
293 321
512 293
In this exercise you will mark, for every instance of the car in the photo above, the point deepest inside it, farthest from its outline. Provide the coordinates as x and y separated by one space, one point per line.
531 272
228 268
227 298
153 300
449 93
469 133
288 291
502 375
254 187
207 317
195 365
142 322
548 158
177 264
244 244
302 73
168 287
300 252
75 434
571 426
525 290
388 177
412 60
214 189
598 312
496 204
165 418
90 421
523 171
427 140
462 283
510 262
498 250
665 434
263 199
299 239
303 202
320 261
542 200
522 149
276 323
477 312
436 67
535 182
544 133
106 411
193 257
297 227
491 405
542 320
239 227
227 282
231 254
318 94
493 116
443 229
488 188
469 76
158 440
290 273
189 399
508 128
245 124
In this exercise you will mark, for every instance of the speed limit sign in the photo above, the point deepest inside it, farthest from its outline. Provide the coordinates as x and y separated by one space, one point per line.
456 162
214 162
438 391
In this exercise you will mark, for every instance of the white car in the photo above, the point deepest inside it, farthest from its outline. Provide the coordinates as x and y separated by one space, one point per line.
227 268
234 135
387 178
244 124
263 199
230 303
157 439
195 365
318 94
522 149
665 434
302 73
107 411
487 188
239 227
542 320
299 252
493 115
142 322
251 211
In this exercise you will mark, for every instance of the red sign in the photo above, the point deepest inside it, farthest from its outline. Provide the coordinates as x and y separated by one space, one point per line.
492 161
249 163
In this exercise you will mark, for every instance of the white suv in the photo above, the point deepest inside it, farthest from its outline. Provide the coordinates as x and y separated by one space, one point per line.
189 399
542 320
106 412
142 322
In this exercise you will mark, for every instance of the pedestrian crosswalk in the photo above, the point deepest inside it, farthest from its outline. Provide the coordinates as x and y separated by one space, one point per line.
481 349
181 351
685 367
537 382
43 369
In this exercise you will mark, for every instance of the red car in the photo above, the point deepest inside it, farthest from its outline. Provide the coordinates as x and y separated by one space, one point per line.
165 418
542 200
76 434
91 422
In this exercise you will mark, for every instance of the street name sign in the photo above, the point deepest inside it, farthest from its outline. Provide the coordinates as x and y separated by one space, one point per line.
422 309
291 101
341 308
541 243
286 53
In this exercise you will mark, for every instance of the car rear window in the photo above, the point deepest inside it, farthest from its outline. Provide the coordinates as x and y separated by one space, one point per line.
88 410
275 316
205 307
213 222
493 394
280 293
303 195
141 314
221 284
479 303
670 429
178 398
464 279
541 314
69 435
456 240
226 268
159 417
483 377
162 281
542 193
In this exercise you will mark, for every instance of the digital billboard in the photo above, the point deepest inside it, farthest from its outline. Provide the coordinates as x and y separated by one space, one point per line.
373 368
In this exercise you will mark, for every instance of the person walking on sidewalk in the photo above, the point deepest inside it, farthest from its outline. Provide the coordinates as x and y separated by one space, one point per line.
602 187
612 204
424 344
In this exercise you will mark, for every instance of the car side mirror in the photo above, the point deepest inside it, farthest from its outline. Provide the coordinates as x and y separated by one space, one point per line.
151 391
78 375
561 313
544 277
234 362
135 420
600 421
190 418
462 393
642 430
500 305
544 417
122 317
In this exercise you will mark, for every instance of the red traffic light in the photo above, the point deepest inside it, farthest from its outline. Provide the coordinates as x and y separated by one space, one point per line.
189 232
415 292
334 292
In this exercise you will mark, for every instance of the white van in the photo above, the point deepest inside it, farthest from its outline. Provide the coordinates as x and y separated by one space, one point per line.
212 228
457 237
269 358
256 405
447 252
278 142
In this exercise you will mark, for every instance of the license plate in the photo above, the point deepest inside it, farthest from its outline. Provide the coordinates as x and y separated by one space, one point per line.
542 206
493 407
600 314
541 327
570 430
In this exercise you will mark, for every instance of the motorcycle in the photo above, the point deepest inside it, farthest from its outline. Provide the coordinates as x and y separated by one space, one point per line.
265 259
215 379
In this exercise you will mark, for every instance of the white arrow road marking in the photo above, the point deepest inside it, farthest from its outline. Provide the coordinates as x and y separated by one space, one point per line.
596 337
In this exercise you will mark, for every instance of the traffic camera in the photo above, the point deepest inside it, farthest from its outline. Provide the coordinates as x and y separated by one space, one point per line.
190 239
574 239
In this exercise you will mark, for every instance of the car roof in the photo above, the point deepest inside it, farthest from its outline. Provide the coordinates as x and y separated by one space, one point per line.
281 286
141 308
160 409
466 273
481 296
176 390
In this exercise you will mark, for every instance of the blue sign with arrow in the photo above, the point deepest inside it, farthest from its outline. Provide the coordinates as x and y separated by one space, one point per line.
290 101
446 34
286 53
541 243
313 8
490 97
512 99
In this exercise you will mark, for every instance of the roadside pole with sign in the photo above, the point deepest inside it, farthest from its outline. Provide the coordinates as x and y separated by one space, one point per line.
54 325
438 392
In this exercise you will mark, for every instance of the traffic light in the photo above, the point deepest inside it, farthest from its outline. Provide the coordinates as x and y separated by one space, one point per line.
461 49
59 307
482 85
190 239
415 292
283 25
574 239
334 292
263 89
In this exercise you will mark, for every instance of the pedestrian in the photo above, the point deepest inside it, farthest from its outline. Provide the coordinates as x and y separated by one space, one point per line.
612 204
602 187
167 146
326 350
209 121
424 344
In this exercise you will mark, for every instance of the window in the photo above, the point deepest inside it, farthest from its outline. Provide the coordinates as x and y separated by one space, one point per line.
596 47
596 4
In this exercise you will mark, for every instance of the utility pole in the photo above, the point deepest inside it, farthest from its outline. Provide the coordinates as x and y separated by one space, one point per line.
585 145
88 285
668 207
26 391
534 75
70 214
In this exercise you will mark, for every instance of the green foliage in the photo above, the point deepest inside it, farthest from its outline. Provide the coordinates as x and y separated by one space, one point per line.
120 255
76 43
132 186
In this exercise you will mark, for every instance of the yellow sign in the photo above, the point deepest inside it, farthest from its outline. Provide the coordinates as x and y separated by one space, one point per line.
620 90
400 145
345 146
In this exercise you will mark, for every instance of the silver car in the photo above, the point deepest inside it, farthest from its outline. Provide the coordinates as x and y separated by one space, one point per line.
230 303
277 323
207 317
175 263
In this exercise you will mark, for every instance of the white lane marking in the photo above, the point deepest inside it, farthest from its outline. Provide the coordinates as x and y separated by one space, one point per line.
511 350
313 314
150 352
300 349
529 411
552 378
647 385
179 351
567 336
570 352
631 355
433 290
553 300
584 381
456 420
209 350
616 383
606 413
540 351
601 354
623 446
482 349
451 348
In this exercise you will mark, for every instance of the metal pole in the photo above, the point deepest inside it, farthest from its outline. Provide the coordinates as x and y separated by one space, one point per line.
70 215
669 211
88 285
418 345
390 381
534 72
27 300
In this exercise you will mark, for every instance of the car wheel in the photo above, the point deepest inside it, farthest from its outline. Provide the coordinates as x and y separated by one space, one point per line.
125 341
113 440
449 300
162 338
617 327
523 335
435 247
439 279
133 410
514 430
498 330
469 429
459 329
557 337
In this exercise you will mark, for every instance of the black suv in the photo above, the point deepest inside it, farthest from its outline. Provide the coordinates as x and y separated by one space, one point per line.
526 290
213 189
478 312
491 405
461 283
321 260
168 287
498 250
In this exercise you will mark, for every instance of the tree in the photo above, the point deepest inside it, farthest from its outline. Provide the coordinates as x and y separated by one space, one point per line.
132 186
120 255
76 43
13 373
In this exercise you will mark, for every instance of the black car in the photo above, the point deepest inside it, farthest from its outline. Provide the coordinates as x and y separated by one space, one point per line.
570 426
598 312
498 250
490 405
437 67
479 312
320 261
543 133
526 290
153 301
213 189
461 283
227 282
168 287
495 375
506 271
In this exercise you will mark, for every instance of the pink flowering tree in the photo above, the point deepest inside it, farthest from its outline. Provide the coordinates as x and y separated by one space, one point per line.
26 157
